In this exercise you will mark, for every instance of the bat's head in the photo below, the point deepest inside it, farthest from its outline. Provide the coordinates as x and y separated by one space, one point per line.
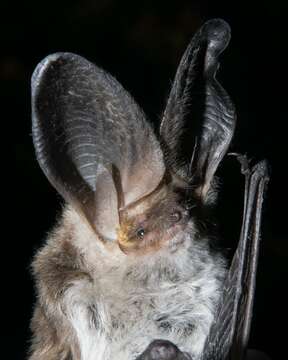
98 150
157 220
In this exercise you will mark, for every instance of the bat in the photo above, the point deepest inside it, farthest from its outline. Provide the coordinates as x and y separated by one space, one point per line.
129 271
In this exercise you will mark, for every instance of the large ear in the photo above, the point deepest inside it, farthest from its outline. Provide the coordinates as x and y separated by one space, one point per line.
199 116
91 139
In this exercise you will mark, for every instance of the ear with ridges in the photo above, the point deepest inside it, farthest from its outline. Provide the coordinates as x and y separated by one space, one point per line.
199 117
92 140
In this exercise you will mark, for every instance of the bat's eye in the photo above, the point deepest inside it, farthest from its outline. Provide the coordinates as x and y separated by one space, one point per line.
140 233
176 216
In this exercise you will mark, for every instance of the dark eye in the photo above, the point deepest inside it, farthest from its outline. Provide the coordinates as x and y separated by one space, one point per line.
176 216
140 233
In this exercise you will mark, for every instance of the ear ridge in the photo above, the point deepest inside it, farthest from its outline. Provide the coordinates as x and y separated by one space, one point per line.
84 124
198 108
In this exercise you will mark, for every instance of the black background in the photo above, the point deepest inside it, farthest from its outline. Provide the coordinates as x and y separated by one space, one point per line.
141 44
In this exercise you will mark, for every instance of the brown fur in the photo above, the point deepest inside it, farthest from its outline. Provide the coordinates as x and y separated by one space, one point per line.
56 267
60 264
156 215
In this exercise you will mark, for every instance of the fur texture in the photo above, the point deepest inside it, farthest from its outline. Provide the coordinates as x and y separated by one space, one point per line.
103 304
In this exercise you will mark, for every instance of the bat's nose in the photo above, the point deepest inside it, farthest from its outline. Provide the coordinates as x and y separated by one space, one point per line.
176 216
180 213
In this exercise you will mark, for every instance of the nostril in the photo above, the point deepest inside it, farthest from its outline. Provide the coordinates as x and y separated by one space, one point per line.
176 216
188 206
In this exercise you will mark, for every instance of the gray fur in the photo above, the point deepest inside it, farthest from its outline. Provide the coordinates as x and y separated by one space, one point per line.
129 301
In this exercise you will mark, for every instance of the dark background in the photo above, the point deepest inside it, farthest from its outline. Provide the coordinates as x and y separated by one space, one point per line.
141 44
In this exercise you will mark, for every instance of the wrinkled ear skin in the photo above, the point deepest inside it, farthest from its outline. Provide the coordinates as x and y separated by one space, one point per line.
95 145
199 119
92 140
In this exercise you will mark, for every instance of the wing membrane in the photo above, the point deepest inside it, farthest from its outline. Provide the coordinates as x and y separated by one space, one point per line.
229 333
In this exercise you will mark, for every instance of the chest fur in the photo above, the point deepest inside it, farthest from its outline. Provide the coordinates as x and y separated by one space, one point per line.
167 307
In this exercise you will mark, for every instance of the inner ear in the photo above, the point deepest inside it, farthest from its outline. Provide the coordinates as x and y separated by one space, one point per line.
199 117
92 140
143 204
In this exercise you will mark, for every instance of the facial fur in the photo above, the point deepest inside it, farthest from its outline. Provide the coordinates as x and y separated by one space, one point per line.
151 224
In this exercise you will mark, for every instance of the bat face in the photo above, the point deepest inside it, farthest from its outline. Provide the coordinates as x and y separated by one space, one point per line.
156 221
